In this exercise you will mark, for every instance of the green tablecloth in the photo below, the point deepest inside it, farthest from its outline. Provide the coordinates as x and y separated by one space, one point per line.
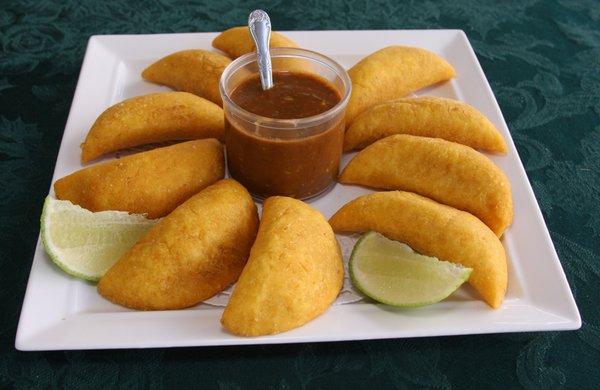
543 61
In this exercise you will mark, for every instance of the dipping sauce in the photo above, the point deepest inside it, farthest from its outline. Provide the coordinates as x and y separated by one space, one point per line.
293 96
297 162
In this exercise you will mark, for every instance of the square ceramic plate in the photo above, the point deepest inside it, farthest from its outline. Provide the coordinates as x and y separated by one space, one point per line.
60 312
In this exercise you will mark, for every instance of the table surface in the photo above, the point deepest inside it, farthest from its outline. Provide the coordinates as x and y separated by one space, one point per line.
542 59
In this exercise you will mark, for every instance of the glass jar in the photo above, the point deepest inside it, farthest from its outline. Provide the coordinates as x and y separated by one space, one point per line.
291 157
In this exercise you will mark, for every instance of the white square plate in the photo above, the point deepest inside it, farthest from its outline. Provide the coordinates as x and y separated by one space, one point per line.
60 312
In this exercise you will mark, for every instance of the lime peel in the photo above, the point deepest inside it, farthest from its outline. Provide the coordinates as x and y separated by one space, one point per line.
85 244
391 272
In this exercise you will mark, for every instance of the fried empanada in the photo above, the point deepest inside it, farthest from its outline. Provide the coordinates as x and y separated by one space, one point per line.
237 41
445 171
435 117
156 117
391 73
190 255
152 182
194 71
432 229
293 275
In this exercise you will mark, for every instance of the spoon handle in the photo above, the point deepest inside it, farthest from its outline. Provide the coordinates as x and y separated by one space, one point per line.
260 29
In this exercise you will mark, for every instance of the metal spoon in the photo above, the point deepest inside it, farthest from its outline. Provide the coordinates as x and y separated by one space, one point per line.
260 29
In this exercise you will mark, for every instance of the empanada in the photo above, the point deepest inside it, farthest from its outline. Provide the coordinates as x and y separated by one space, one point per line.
157 117
293 275
391 73
237 41
445 171
432 229
190 255
194 71
426 116
152 182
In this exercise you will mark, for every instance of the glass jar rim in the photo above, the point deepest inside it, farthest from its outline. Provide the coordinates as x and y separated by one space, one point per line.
287 124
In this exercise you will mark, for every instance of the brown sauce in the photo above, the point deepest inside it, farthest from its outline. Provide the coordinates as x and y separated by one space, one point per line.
299 167
293 96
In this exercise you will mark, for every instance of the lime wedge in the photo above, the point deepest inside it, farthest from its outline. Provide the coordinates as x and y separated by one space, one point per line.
86 244
391 272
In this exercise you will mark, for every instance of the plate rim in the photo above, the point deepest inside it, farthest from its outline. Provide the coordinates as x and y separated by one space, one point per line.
25 340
